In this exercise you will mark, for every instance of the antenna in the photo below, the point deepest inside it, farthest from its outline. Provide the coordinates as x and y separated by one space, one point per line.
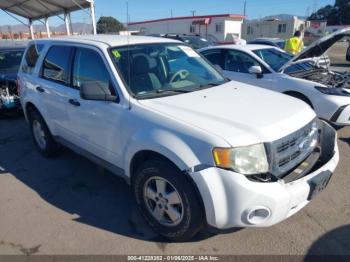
245 8
193 12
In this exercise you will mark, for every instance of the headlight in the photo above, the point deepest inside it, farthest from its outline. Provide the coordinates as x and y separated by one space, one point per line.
249 160
333 91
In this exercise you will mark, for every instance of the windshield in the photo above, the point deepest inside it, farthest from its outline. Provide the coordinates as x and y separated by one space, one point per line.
273 57
10 60
276 59
154 70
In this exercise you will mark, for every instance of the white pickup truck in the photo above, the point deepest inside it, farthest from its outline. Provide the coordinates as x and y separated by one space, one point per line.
197 149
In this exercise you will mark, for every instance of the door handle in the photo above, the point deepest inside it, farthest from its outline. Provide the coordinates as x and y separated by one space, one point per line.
74 102
40 89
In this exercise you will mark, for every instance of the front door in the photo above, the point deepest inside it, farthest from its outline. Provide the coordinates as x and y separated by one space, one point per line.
95 124
237 65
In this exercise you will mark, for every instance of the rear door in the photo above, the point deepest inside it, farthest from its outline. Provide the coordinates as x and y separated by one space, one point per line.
95 125
52 85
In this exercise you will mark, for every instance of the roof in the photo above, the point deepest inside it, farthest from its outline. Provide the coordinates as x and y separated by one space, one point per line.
38 9
110 40
235 16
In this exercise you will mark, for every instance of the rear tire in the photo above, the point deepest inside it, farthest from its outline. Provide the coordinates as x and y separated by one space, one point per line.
167 200
41 135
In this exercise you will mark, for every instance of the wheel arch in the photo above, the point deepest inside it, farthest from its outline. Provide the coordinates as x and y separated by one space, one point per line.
144 155
300 96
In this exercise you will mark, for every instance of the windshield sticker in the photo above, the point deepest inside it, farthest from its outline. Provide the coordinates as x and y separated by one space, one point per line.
116 54
189 51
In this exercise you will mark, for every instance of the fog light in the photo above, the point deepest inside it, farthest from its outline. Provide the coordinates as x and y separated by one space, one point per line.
258 215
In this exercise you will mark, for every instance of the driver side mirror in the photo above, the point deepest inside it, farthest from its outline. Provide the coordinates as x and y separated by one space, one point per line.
94 90
256 70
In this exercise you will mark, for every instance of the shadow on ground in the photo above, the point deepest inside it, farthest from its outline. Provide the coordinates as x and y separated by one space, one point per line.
75 185
334 242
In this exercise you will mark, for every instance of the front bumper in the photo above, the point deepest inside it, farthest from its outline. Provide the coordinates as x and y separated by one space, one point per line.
230 198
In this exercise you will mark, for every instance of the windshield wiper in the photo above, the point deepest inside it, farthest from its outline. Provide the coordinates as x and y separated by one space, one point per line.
208 85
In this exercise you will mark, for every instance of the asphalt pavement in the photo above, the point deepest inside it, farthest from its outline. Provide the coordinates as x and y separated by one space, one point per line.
68 205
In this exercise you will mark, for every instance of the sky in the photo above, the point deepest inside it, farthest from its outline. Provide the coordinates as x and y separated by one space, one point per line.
152 9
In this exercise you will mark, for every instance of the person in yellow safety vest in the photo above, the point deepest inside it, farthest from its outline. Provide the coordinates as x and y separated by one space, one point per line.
295 44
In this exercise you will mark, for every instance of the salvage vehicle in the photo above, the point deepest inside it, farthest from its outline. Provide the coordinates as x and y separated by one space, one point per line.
10 60
279 43
326 91
276 42
196 148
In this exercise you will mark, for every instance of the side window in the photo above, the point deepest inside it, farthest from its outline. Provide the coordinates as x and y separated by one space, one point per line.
31 57
56 65
239 62
89 68
215 57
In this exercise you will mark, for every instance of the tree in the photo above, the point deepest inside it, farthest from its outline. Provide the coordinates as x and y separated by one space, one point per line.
108 24
338 14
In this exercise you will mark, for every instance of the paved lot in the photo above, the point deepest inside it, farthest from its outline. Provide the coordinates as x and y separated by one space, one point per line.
68 205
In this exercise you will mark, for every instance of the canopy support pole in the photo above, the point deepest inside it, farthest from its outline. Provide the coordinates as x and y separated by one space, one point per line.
47 27
31 29
67 22
93 19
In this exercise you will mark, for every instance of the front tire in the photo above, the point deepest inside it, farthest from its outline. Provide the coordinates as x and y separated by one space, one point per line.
168 200
41 135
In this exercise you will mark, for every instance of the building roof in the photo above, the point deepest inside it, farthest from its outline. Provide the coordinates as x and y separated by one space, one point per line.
235 16
110 40
38 9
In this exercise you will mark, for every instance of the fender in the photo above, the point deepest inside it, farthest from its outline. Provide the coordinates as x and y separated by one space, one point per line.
162 142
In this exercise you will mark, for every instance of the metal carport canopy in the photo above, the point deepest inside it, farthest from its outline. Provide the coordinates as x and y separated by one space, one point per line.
42 9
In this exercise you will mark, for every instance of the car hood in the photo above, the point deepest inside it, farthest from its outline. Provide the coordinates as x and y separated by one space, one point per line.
319 47
238 113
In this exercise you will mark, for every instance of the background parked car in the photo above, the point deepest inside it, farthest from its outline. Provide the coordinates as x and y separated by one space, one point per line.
196 42
276 42
322 61
327 92
10 59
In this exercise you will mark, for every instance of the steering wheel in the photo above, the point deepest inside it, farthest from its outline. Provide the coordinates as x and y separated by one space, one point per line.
181 74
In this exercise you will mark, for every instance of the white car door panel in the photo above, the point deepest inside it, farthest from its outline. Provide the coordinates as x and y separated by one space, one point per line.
52 87
237 65
95 125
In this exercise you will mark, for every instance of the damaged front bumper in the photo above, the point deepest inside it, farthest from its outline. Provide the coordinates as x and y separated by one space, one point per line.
232 200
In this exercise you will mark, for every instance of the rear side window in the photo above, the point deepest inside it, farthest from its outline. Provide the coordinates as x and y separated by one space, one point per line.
90 68
31 58
56 66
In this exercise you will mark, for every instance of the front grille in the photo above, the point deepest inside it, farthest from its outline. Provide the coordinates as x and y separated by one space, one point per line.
288 152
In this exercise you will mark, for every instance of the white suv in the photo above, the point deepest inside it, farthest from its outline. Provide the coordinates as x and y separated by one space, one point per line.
196 149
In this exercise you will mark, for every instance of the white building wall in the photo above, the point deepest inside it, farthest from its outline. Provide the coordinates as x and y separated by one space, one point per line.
271 28
229 26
